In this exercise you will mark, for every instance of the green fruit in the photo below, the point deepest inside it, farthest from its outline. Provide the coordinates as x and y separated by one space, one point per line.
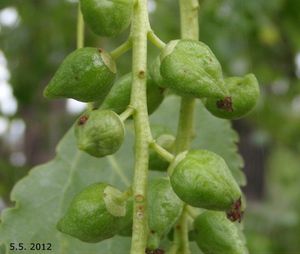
156 162
215 234
244 93
202 179
89 216
164 209
99 132
190 68
107 17
119 97
154 72
87 75
127 220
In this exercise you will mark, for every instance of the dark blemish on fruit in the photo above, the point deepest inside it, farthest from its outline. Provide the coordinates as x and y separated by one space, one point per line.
235 214
76 78
100 50
157 251
82 120
225 104
152 231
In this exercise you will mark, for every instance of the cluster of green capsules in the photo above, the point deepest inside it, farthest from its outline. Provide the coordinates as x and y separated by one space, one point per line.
198 178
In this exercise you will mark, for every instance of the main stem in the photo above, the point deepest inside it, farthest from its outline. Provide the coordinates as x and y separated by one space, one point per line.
141 125
189 30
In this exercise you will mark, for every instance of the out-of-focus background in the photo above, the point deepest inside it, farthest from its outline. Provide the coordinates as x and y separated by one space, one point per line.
256 36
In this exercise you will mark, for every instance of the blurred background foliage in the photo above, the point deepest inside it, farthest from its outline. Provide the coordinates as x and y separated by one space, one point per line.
256 36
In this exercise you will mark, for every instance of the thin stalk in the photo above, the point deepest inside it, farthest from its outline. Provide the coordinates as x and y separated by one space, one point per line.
127 113
80 28
162 152
155 40
184 233
189 30
122 49
141 125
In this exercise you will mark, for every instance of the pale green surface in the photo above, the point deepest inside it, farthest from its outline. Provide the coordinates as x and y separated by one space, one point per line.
43 196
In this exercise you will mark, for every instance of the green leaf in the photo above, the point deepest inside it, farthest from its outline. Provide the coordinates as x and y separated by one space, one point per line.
212 133
42 197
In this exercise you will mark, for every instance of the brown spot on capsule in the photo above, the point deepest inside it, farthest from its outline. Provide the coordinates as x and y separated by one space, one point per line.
100 50
235 214
225 104
82 120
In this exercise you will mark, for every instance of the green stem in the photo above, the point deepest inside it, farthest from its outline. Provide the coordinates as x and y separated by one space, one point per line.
155 40
141 125
185 125
123 48
184 233
127 113
80 28
189 30
162 152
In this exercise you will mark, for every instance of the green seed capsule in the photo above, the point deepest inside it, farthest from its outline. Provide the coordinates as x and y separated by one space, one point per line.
89 216
99 132
107 17
191 69
155 75
156 163
164 209
202 179
85 75
119 97
215 234
244 93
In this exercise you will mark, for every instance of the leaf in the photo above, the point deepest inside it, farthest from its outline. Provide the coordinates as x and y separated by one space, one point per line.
42 197
212 133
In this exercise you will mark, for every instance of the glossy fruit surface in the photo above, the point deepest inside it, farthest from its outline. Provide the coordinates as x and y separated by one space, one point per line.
86 75
99 132
107 17
119 97
164 209
203 179
87 217
191 69
215 234
244 93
